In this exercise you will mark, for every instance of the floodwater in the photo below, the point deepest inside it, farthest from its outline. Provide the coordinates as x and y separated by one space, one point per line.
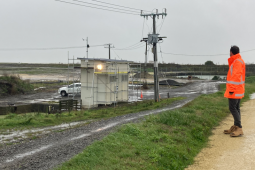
204 77
35 98
225 152
195 87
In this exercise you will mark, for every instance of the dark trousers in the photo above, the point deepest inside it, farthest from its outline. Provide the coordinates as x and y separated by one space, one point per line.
234 107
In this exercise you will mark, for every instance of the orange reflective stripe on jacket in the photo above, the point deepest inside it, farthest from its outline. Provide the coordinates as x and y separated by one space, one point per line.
235 78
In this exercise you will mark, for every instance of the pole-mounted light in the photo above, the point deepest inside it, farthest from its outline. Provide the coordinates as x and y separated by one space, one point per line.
99 67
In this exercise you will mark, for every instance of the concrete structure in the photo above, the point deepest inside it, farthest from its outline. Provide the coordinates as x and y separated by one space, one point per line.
103 81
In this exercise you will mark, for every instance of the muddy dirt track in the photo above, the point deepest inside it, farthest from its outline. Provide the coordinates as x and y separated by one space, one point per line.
51 150
225 152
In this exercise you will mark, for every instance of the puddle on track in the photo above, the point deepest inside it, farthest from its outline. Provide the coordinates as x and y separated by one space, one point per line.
134 99
13 135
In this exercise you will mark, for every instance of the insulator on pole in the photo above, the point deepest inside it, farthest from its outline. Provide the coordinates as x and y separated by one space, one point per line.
141 12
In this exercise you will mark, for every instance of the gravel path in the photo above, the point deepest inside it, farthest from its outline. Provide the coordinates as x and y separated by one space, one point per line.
225 152
52 149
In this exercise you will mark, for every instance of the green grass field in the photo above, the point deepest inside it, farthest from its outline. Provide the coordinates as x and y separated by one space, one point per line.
169 140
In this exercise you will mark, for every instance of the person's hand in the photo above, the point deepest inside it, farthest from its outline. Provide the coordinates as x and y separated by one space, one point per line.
231 93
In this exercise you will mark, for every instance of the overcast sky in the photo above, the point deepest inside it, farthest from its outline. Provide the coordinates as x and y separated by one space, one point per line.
194 27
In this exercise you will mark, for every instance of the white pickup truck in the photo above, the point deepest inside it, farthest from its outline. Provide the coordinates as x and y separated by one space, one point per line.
71 89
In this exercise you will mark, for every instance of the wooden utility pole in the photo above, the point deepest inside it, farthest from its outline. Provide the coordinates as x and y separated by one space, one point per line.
109 46
153 39
156 84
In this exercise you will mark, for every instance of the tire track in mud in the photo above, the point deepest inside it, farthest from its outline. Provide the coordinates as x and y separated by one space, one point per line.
55 148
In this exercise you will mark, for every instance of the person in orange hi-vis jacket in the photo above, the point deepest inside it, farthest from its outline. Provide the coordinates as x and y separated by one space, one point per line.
235 89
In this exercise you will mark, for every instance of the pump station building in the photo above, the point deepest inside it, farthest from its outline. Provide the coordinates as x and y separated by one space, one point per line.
103 81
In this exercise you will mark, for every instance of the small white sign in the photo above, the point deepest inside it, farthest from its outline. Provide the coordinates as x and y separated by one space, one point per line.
155 63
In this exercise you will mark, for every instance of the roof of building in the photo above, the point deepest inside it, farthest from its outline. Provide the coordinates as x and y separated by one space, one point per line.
105 60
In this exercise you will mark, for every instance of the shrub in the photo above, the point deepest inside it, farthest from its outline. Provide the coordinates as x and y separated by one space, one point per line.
13 84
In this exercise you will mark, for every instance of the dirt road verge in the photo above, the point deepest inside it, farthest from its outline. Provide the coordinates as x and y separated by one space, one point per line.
224 152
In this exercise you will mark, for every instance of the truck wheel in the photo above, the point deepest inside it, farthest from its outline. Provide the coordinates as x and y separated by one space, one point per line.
63 93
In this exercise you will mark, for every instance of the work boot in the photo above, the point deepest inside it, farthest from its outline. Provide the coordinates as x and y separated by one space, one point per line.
232 129
238 132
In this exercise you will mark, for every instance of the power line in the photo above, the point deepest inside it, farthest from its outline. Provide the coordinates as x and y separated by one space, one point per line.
96 45
117 55
143 27
96 7
148 27
41 49
119 5
247 51
161 24
193 54
132 48
105 6
36 49
205 54
138 45
161 52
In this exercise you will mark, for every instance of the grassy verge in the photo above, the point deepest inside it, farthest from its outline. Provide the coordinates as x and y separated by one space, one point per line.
169 140
40 120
